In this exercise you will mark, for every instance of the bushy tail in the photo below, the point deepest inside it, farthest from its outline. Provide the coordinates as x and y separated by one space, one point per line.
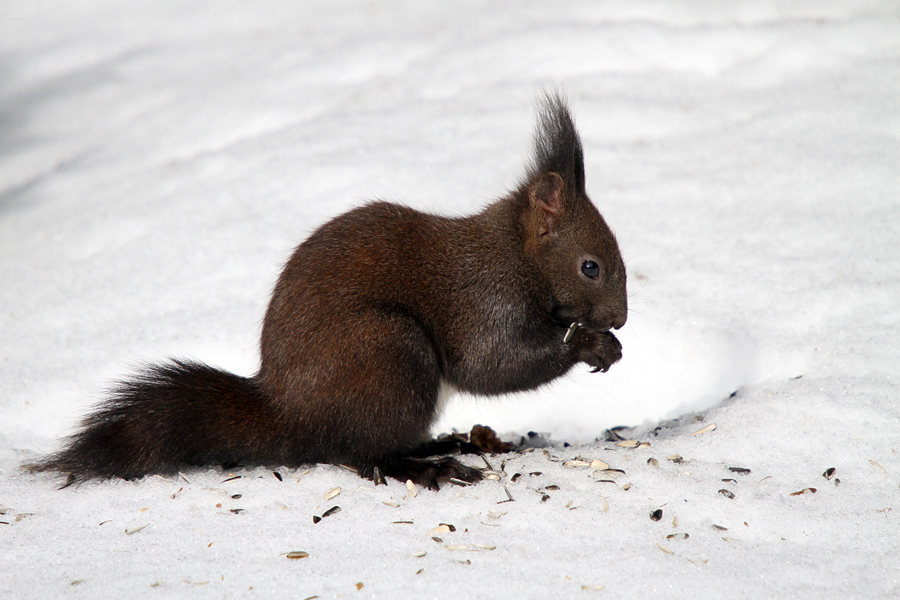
171 414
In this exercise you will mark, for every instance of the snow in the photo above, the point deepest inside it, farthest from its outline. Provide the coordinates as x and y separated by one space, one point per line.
158 161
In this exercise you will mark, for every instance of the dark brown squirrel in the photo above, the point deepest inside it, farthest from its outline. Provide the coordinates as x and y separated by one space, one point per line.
374 316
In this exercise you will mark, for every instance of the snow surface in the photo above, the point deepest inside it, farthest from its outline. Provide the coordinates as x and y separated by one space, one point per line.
158 161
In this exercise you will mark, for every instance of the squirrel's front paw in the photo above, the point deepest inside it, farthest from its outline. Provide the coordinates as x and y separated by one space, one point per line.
599 350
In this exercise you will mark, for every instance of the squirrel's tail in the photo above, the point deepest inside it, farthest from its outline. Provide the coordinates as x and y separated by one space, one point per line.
179 412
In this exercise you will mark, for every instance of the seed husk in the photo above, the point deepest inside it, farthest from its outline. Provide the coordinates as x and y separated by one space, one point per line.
418 554
599 465
456 547
551 488
664 549
628 444
331 511
593 588
656 515
573 464
719 527
277 475
829 473
332 493
675 458
295 554
653 462
707 429
439 530
411 488
811 490
727 493
391 504
877 466
136 529
677 536
739 470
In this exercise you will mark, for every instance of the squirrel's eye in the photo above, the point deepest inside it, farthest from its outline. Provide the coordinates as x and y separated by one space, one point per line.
590 269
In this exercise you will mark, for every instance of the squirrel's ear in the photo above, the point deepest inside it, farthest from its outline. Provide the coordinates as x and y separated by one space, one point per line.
546 195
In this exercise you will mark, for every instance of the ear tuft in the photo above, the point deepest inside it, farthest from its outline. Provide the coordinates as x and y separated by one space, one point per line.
546 195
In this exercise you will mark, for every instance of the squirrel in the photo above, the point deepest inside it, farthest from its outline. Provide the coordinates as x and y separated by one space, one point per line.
376 315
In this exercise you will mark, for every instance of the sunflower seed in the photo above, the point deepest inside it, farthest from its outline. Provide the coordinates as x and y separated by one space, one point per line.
418 554
628 444
664 549
136 529
411 488
332 493
877 466
707 429
439 530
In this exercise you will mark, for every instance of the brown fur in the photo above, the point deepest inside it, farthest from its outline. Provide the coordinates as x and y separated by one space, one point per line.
370 315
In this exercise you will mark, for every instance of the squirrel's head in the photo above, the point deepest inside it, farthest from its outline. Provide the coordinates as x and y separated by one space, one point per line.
568 239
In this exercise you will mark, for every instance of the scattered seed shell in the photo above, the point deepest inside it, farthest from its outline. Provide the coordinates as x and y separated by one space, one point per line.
439 530
411 488
574 464
675 458
664 549
628 444
739 470
626 487
707 429
653 462
551 488
727 493
391 504
829 473
418 554
485 546
811 490
456 547
719 527
297 554
331 511
332 493
136 529
656 515
677 536
599 465
593 588
877 466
